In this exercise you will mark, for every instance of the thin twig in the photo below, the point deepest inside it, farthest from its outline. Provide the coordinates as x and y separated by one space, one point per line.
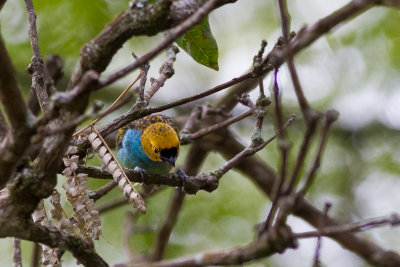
188 138
102 191
190 123
284 147
393 220
316 261
17 252
143 79
136 114
110 108
330 117
301 156
111 205
264 177
195 18
250 150
37 66
166 72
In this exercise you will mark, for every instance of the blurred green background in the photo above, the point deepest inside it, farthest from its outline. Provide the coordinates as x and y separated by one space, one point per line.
355 69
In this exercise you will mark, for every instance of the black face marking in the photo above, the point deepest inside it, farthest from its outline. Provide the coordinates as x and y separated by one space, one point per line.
169 155
170 152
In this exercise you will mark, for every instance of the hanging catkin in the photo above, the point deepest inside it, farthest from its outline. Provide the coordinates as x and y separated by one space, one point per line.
49 255
114 168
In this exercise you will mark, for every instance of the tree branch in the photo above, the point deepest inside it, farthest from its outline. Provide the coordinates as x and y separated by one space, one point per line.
36 67
3 126
264 177
260 248
52 237
20 119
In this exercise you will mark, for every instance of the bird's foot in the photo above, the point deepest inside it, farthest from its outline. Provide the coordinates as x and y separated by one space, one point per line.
141 173
182 176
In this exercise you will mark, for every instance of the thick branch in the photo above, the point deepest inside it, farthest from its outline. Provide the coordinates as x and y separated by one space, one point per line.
52 237
260 248
10 93
17 140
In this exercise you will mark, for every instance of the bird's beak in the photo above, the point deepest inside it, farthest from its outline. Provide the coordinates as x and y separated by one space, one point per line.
171 160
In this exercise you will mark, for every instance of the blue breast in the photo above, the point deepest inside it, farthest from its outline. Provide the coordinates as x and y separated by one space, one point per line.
131 154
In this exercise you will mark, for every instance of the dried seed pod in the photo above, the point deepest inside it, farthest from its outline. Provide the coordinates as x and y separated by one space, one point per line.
111 164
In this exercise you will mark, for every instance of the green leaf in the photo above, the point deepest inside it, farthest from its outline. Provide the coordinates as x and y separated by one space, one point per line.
201 45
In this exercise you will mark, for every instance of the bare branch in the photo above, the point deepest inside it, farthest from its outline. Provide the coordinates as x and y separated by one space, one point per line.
188 138
393 220
301 156
136 114
52 237
166 72
285 23
284 146
20 119
102 191
316 261
195 18
37 66
17 252
304 38
260 248
265 177
112 205
10 93
143 79
330 117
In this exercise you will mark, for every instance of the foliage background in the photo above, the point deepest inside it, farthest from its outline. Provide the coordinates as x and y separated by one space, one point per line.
355 69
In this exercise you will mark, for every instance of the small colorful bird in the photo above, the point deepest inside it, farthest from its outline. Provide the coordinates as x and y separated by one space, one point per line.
150 143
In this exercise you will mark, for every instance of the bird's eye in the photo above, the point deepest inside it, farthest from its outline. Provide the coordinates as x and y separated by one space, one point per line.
155 150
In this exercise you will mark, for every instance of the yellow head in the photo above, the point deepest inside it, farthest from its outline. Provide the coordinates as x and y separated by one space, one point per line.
160 142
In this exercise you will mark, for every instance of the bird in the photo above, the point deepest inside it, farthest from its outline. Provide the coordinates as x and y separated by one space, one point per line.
149 144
